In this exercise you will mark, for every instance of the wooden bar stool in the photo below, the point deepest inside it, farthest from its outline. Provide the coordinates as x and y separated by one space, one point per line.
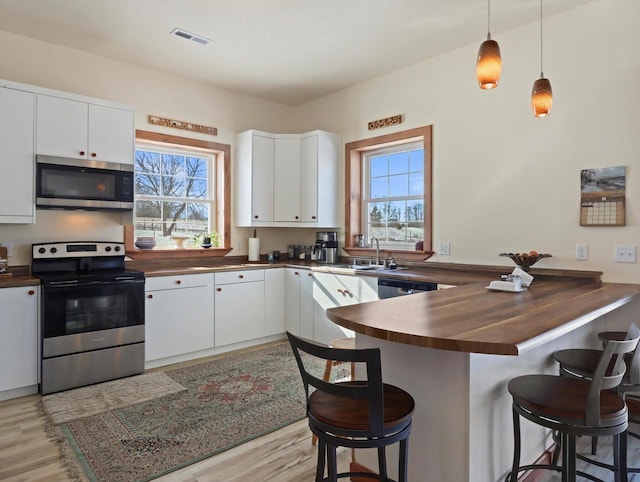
574 407
581 363
357 413
342 344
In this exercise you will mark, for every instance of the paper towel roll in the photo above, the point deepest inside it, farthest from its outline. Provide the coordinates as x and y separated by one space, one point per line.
254 249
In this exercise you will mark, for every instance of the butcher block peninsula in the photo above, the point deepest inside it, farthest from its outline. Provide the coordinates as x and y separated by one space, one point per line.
455 350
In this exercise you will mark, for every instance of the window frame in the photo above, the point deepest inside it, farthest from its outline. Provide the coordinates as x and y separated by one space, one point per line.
221 154
354 177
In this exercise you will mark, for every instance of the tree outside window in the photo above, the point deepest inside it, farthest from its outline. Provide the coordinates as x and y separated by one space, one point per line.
394 195
173 194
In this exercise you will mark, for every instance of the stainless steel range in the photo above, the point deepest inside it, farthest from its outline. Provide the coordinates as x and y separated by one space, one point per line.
92 314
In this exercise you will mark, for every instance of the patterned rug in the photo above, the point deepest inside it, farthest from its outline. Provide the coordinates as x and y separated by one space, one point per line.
228 401
83 402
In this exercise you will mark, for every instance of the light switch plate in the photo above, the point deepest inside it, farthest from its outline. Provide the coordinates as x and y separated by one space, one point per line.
444 248
625 254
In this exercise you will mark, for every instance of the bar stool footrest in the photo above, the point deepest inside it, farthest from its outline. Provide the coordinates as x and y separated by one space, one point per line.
557 468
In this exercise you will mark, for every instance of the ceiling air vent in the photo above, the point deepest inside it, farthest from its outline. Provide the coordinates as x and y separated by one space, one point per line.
199 39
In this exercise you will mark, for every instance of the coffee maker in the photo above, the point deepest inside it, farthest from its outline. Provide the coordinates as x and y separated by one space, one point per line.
326 247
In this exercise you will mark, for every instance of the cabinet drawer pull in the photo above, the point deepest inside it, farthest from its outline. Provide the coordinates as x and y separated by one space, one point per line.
313 217
240 276
296 273
31 292
297 217
218 289
149 296
340 291
309 274
255 216
178 282
82 153
93 154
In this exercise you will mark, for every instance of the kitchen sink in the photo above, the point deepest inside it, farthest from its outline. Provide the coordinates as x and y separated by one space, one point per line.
364 267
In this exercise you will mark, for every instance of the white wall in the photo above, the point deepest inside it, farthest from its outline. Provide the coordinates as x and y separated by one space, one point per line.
504 180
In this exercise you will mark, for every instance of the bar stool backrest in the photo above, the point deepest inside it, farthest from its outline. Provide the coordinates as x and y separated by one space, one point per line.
370 389
634 365
602 380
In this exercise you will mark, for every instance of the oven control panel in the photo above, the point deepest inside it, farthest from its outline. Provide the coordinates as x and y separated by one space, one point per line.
77 249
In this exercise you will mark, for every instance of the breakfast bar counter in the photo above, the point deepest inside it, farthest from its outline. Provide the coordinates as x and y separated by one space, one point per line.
455 350
474 319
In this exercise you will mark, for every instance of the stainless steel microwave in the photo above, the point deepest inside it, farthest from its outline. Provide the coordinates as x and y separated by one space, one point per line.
63 183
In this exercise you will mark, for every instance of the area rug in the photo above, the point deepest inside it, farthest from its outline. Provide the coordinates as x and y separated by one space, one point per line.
83 402
227 401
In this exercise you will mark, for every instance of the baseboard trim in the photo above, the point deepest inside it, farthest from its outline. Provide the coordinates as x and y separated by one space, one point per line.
536 475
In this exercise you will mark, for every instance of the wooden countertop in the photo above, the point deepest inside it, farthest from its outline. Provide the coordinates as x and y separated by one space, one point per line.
473 319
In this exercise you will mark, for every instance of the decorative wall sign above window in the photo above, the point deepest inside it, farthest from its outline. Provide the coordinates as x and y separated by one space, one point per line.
187 126
602 196
389 121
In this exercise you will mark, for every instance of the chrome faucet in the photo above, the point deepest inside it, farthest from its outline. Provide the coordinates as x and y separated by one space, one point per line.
377 249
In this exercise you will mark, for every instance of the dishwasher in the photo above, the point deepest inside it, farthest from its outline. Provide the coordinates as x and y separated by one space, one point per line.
390 288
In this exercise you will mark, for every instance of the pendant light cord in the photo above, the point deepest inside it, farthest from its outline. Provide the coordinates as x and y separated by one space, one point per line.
488 19
541 69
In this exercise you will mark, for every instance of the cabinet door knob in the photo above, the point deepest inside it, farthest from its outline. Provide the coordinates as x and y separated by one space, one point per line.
178 282
297 217
255 216
218 289
309 274
313 217
296 273
241 276
82 153
31 292
93 154
149 296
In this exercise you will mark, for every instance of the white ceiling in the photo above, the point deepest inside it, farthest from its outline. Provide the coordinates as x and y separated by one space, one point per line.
287 51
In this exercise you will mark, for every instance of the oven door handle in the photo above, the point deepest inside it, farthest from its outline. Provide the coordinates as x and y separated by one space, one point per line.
124 280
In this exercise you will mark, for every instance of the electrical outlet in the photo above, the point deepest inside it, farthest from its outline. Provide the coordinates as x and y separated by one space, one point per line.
625 254
582 252
444 248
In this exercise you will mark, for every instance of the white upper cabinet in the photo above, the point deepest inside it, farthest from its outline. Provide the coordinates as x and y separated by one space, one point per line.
16 156
287 180
286 194
82 130
111 134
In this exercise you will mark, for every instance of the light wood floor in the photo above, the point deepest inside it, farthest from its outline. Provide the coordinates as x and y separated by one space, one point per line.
286 455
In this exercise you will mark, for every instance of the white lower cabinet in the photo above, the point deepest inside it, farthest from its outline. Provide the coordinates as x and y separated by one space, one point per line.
239 306
273 301
179 315
18 341
298 300
309 294
331 290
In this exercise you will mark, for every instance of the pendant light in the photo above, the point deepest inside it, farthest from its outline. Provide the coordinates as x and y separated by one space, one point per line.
489 63
541 95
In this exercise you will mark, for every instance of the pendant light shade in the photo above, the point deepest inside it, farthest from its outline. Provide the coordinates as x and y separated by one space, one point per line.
489 63
541 95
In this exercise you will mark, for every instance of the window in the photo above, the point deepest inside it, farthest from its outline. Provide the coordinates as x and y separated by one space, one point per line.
182 187
388 193
393 200
173 194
